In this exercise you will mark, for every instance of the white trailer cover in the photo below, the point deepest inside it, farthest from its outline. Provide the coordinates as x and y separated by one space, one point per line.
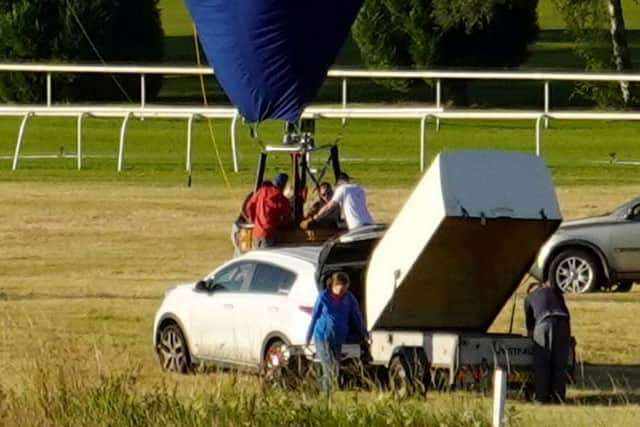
462 242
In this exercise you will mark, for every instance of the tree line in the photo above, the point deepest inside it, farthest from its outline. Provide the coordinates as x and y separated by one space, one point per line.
389 34
491 33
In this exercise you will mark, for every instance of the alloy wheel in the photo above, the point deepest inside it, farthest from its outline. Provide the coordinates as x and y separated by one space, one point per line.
172 350
574 274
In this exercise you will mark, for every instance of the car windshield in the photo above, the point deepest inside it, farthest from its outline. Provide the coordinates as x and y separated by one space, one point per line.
618 210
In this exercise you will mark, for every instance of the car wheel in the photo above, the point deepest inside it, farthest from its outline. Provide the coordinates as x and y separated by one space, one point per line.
624 286
172 350
575 271
273 361
408 374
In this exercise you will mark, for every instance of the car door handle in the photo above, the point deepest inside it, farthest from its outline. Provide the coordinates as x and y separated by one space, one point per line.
274 309
228 306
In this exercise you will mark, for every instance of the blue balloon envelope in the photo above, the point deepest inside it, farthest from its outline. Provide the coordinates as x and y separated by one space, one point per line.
271 56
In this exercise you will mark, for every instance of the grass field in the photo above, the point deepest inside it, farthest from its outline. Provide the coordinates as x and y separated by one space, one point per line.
86 255
85 264
576 152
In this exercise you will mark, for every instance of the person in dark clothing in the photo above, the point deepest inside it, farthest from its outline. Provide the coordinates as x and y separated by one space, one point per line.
335 309
332 219
269 211
548 324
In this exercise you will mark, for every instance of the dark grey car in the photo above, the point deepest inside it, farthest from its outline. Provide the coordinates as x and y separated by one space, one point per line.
601 252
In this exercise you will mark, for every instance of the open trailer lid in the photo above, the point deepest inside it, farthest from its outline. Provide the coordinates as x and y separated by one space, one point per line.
463 241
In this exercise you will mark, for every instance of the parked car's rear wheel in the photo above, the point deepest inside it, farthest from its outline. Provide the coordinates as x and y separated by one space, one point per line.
575 271
273 361
172 350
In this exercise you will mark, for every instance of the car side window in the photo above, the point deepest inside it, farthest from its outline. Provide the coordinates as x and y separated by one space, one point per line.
233 278
270 279
634 213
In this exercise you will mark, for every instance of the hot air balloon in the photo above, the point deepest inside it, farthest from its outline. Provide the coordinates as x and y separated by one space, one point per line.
271 56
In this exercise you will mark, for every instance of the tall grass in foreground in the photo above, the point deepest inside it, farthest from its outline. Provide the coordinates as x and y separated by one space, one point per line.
61 399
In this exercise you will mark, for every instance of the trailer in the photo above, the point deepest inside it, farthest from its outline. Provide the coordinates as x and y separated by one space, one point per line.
431 284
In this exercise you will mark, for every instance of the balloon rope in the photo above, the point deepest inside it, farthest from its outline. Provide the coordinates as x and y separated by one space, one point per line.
206 104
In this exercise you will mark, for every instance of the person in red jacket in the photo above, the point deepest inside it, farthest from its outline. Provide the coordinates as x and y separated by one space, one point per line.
269 211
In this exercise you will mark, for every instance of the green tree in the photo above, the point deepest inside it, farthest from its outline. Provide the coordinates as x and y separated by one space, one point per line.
117 31
445 33
598 29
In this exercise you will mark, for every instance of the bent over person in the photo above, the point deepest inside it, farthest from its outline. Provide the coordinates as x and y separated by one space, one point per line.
332 218
269 211
548 323
335 309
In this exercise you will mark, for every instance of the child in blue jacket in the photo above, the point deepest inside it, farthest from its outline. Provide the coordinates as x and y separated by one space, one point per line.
335 309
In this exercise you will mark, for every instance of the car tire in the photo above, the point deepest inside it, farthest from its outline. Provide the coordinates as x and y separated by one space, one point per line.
273 360
409 373
172 350
624 286
575 271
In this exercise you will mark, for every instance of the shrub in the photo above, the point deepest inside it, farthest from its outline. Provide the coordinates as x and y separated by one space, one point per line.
49 31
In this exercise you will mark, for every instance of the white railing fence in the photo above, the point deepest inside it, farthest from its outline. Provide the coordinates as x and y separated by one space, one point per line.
437 112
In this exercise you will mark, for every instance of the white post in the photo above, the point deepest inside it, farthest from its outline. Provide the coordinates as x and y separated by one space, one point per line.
344 98
189 141
234 145
123 134
49 90
438 102
20 140
539 134
547 100
79 140
499 395
143 91
423 141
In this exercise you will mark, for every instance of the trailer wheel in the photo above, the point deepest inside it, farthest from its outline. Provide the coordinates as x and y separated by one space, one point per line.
440 380
409 373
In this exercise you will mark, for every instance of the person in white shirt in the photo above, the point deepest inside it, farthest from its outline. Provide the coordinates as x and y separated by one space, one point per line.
352 200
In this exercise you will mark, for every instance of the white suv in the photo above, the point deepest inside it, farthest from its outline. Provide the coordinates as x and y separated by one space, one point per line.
244 313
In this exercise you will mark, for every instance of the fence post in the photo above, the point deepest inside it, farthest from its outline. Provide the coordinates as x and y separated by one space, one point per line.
547 101
143 91
49 90
234 145
499 395
123 134
19 141
438 103
189 142
423 141
344 98
539 134
79 140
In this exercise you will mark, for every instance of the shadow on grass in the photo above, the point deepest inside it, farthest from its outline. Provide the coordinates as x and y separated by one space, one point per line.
607 384
606 399
180 50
